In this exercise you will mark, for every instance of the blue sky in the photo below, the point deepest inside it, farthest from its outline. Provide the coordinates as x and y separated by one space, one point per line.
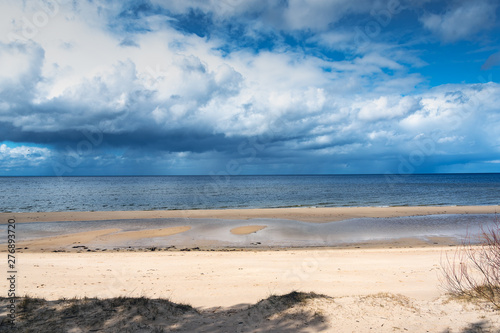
107 87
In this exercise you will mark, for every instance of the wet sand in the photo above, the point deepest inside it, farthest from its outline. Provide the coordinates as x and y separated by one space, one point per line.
161 233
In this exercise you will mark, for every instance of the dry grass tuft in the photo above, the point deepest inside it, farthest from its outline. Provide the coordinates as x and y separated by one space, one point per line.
124 314
93 314
474 270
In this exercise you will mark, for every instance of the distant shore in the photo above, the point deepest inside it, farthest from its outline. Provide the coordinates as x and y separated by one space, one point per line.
314 215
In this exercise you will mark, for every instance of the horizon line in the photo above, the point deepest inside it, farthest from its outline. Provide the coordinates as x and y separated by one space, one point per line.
269 175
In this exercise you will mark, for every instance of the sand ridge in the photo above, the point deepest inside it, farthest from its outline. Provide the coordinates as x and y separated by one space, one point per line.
65 240
108 236
305 214
246 230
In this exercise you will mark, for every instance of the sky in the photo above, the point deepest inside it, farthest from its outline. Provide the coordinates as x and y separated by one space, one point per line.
235 87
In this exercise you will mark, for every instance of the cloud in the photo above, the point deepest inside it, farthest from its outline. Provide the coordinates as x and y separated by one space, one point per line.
457 112
319 15
271 86
463 21
20 156
20 68
387 108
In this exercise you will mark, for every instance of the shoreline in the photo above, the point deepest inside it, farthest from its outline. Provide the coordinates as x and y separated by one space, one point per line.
309 214
246 229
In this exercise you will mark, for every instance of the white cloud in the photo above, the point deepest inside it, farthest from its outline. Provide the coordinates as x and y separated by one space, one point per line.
462 22
378 135
450 139
22 155
386 108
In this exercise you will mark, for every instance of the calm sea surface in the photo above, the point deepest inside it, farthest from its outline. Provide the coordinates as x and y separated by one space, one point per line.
32 194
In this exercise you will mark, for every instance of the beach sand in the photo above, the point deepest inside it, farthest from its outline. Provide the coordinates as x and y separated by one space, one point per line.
380 290
318 215
246 230
379 287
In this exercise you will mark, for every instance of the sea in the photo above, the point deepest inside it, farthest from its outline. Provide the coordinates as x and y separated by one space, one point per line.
51 194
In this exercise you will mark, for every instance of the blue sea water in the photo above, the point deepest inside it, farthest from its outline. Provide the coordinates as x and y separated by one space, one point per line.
46 194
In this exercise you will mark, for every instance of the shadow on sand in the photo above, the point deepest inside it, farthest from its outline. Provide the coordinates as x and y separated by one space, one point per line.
285 313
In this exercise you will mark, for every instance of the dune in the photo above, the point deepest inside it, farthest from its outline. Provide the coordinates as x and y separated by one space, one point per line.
292 312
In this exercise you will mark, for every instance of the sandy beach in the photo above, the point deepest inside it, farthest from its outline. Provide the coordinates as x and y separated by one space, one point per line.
382 290
317 215
379 287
